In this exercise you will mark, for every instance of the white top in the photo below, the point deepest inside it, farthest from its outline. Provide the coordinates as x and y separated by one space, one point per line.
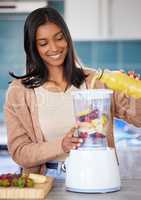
55 111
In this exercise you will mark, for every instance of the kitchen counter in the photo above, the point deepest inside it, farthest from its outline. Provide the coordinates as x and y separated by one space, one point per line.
131 190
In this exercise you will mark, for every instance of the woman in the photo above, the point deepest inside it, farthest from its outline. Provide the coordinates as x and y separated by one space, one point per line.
38 109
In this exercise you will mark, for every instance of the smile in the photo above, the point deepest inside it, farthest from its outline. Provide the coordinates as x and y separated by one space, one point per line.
55 56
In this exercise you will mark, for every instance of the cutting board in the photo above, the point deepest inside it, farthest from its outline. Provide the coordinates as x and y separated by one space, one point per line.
39 191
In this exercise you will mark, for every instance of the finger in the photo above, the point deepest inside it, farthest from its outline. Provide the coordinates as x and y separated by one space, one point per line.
77 125
71 133
132 74
74 147
70 147
76 140
73 143
73 129
137 77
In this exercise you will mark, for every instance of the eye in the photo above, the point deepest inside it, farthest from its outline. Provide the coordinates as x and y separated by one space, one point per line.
60 36
42 44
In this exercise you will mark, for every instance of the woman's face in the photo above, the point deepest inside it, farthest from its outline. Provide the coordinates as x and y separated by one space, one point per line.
51 44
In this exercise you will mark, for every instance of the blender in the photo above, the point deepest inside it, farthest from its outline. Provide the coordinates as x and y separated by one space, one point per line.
93 167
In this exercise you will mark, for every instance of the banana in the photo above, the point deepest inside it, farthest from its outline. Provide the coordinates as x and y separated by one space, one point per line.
37 178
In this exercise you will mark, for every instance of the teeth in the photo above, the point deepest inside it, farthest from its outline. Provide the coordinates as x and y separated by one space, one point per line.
55 56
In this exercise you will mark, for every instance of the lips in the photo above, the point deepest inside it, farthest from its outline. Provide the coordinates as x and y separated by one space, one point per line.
56 56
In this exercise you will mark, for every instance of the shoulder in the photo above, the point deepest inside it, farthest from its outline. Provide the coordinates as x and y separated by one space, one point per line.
90 72
15 87
16 91
16 83
92 79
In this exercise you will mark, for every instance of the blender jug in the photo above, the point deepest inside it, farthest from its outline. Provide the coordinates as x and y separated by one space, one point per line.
92 110
93 167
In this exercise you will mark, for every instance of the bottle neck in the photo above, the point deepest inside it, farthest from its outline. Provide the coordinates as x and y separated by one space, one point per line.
100 73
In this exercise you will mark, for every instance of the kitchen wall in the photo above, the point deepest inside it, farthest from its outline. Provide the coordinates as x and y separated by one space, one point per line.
12 58
118 54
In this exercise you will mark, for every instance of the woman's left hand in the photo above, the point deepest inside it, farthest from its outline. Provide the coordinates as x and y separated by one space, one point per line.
134 75
70 141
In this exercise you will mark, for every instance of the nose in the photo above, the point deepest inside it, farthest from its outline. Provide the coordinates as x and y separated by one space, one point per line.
52 46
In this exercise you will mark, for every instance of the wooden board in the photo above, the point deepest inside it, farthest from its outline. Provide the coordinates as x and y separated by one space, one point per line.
39 191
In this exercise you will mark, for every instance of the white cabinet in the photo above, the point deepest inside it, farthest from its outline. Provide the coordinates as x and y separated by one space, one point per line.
125 20
85 19
103 19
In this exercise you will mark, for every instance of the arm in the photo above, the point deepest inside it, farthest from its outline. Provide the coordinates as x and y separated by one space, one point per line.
23 145
26 147
127 108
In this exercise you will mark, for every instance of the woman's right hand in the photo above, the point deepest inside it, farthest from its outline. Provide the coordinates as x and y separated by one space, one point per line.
70 141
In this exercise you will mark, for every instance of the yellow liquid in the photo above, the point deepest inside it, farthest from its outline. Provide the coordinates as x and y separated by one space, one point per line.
121 82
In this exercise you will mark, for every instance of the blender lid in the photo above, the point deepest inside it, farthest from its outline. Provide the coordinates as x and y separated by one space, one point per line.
93 93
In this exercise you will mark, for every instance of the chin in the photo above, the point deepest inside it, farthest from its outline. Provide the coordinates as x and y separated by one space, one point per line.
56 64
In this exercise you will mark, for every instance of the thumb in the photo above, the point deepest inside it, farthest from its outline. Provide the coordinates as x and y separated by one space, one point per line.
71 133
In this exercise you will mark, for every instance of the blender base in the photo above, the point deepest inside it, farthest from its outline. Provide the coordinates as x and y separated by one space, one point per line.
93 190
92 171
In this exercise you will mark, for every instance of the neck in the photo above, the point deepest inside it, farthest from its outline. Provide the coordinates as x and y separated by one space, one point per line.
56 80
56 74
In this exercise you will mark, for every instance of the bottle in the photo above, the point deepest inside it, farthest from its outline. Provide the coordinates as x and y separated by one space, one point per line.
120 81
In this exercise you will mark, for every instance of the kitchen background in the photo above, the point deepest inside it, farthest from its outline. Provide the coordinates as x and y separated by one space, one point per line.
106 34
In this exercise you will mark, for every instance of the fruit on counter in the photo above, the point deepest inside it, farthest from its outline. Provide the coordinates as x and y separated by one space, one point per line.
15 180
5 183
38 178
30 182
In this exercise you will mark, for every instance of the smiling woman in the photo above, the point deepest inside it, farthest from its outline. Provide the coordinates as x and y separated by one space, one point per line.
52 72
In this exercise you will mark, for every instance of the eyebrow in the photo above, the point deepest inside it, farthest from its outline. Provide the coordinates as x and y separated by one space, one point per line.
39 39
